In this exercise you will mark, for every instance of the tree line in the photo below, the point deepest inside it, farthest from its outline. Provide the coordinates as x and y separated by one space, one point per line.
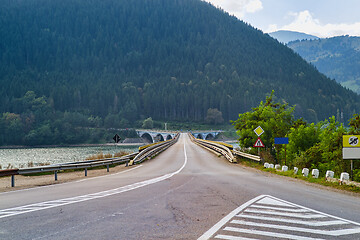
311 145
125 61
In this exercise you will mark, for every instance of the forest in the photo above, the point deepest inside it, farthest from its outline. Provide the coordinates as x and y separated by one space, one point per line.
87 64
311 145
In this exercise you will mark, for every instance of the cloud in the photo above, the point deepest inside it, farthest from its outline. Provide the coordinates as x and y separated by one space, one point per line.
238 7
305 22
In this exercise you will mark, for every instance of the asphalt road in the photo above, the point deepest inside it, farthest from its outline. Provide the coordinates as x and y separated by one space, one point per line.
184 193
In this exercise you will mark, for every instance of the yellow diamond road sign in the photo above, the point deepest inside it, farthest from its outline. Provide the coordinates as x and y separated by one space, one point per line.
350 141
259 131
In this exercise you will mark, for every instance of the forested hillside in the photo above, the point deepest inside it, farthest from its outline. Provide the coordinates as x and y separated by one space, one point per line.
337 57
112 62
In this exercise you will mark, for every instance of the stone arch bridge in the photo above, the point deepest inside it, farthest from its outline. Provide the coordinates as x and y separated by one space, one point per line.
206 135
153 136
157 136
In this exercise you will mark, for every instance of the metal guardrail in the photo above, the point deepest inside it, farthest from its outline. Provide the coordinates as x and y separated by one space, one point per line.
217 147
247 155
66 166
154 149
137 158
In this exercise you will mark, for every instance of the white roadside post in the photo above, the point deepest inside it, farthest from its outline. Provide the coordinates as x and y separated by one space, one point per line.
305 172
315 173
344 177
329 174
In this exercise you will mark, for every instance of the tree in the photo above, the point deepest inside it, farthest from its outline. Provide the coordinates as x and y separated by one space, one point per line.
354 123
148 123
275 119
214 116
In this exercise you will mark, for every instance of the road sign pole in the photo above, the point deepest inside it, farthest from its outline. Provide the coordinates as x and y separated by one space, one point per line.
285 154
352 169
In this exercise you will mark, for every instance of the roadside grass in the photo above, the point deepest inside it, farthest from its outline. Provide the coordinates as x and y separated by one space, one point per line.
291 174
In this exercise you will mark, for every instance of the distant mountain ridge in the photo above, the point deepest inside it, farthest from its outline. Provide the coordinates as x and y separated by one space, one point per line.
284 36
337 58
122 61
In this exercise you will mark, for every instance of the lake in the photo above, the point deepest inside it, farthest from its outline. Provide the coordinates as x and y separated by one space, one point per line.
20 157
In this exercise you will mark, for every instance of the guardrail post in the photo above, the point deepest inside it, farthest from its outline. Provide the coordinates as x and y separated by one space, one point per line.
107 166
55 175
85 172
12 180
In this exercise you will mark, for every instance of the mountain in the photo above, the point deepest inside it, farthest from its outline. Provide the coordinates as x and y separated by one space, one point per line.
84 63
337 58
289 36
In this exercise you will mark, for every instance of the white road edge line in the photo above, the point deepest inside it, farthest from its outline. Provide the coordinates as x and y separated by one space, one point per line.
98 195
227 218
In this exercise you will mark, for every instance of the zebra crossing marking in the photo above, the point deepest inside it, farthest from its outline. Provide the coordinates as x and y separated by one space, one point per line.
270 217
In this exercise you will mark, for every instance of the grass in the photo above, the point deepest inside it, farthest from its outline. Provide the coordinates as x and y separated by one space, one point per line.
100 155
321 181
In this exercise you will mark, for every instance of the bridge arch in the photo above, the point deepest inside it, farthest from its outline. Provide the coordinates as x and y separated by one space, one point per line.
147 137
158 138
168 137
199 136
209 136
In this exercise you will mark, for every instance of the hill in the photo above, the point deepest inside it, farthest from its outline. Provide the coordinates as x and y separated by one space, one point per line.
284 36
111 63
337 58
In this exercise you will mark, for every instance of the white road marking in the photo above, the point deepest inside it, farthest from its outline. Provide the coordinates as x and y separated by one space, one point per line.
308 223
227 237
270 234
61 202
65 183
271 201
248 222
295 215
280 209
227 218
297 229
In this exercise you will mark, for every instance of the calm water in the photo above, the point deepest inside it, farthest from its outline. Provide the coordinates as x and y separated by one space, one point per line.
20 158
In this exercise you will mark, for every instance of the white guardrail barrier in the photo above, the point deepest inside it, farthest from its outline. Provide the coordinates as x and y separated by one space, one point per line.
153 150
247 155
214 147
138 157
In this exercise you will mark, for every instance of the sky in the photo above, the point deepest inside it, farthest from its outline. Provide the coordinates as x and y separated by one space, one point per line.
321 18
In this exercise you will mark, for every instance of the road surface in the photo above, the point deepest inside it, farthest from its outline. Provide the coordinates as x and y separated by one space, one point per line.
184 193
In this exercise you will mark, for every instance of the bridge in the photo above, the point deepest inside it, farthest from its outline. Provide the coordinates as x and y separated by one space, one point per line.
206 135
157 136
